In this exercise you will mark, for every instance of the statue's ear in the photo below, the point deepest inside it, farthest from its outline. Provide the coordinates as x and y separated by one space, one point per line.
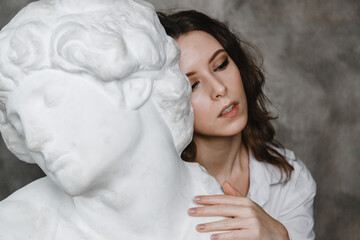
136 91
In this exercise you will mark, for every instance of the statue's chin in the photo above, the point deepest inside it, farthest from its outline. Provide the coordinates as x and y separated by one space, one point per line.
73 183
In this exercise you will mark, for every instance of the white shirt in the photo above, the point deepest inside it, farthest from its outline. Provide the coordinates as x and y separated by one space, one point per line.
290 203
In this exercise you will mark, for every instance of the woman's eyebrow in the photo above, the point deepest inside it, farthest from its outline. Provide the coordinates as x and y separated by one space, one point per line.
189 74
215 54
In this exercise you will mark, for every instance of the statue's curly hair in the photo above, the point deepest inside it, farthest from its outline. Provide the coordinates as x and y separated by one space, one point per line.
101 40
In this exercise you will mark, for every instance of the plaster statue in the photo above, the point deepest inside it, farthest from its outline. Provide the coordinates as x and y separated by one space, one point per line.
91 91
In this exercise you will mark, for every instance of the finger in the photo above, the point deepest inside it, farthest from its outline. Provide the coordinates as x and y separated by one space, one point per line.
230 190
220 211
233 235
223 200
223 225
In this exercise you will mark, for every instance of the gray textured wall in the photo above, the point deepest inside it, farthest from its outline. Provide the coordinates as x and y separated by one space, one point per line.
311 56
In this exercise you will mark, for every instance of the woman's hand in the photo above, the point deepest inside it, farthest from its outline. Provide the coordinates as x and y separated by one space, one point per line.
246 219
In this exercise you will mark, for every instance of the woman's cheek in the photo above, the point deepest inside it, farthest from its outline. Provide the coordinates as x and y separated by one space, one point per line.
197 115
202 117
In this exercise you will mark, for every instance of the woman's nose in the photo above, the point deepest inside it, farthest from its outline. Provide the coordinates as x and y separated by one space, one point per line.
219 89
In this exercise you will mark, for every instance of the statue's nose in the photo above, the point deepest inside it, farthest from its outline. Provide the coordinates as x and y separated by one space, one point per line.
35 137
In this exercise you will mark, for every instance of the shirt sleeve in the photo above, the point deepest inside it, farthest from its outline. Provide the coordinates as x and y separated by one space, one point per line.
297 212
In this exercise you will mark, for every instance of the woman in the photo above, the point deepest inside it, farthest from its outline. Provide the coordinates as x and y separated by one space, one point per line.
269 193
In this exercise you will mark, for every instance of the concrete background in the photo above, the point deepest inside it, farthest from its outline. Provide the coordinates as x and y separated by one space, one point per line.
311 53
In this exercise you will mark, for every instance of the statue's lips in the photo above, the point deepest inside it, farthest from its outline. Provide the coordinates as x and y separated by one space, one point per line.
58 163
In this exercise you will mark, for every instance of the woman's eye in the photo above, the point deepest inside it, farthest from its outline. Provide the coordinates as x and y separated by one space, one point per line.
222 65
193 86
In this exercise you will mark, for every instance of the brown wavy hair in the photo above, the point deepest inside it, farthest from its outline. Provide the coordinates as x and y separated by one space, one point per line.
259 133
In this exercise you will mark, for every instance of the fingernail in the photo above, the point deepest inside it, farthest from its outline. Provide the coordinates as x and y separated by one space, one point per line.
197 198
214 237
192 210
200 227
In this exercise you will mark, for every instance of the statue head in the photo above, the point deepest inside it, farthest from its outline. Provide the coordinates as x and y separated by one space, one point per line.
67 68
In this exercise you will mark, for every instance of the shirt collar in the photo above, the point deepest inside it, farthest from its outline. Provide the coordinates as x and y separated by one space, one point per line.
262 176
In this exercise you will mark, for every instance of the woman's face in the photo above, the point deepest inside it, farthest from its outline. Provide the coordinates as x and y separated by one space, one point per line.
218 96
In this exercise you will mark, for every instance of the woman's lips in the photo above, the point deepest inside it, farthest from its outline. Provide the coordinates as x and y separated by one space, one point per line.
229 110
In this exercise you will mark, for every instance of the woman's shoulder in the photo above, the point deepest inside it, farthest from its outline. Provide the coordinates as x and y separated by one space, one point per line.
294 199
287 153
301 177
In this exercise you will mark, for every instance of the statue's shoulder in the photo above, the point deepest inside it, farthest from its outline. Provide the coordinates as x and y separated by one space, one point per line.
30 211
205 183
36 193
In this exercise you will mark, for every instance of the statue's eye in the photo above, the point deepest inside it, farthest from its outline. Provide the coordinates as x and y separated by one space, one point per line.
53 94
15 121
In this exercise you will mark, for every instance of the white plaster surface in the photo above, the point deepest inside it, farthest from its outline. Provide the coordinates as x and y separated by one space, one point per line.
91 91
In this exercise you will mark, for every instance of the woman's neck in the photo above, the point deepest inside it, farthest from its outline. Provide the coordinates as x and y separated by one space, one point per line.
225 158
